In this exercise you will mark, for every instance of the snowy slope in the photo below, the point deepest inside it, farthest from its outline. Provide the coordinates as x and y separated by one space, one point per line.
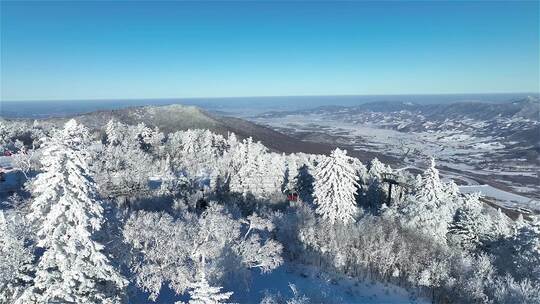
319 288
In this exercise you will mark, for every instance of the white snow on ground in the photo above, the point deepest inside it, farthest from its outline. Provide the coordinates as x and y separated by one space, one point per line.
323 288
319 288
506 199
5 162
13 178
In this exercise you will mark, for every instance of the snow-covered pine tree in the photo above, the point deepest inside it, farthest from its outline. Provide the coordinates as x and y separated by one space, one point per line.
470 224
254 172
375 190
203 293
291 174
68 215
16 256
170 183
432 205
275 175
115 132
501 227
335 187
375 169
305 181
525 244
361 170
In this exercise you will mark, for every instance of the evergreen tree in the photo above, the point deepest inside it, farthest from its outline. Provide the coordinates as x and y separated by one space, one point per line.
115 132
15 257
335 187
203 293
258 172
432 205
68 216
376 169
305 183
375 195
526 249
500 227
470 225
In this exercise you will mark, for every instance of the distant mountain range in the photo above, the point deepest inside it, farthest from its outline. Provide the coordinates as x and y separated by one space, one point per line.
518 120
528 107
239 106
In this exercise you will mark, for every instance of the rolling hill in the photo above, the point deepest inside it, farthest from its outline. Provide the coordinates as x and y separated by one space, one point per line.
171 118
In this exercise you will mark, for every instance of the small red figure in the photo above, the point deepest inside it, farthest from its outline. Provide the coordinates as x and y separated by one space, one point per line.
292 197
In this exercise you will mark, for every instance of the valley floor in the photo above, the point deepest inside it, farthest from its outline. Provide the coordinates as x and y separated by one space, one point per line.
468 160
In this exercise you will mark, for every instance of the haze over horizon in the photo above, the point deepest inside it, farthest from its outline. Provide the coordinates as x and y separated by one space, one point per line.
460 96
143 50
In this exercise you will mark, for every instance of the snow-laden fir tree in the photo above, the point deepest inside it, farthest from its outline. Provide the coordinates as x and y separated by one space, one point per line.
68 216
376 169
525 244
255 171
501 225
375 193
361 170
16 257
115 132
431 206
291 172
335 187
202 293
470 225
274 179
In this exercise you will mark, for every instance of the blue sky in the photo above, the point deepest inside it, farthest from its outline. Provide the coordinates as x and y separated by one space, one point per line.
100 50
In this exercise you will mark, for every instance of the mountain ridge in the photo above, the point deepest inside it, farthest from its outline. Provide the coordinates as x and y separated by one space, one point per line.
528 107
175 117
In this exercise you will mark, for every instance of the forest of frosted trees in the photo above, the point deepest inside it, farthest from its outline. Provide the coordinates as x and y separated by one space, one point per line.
102 215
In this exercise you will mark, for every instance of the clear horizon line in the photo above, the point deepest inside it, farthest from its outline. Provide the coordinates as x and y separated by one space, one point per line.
266 96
